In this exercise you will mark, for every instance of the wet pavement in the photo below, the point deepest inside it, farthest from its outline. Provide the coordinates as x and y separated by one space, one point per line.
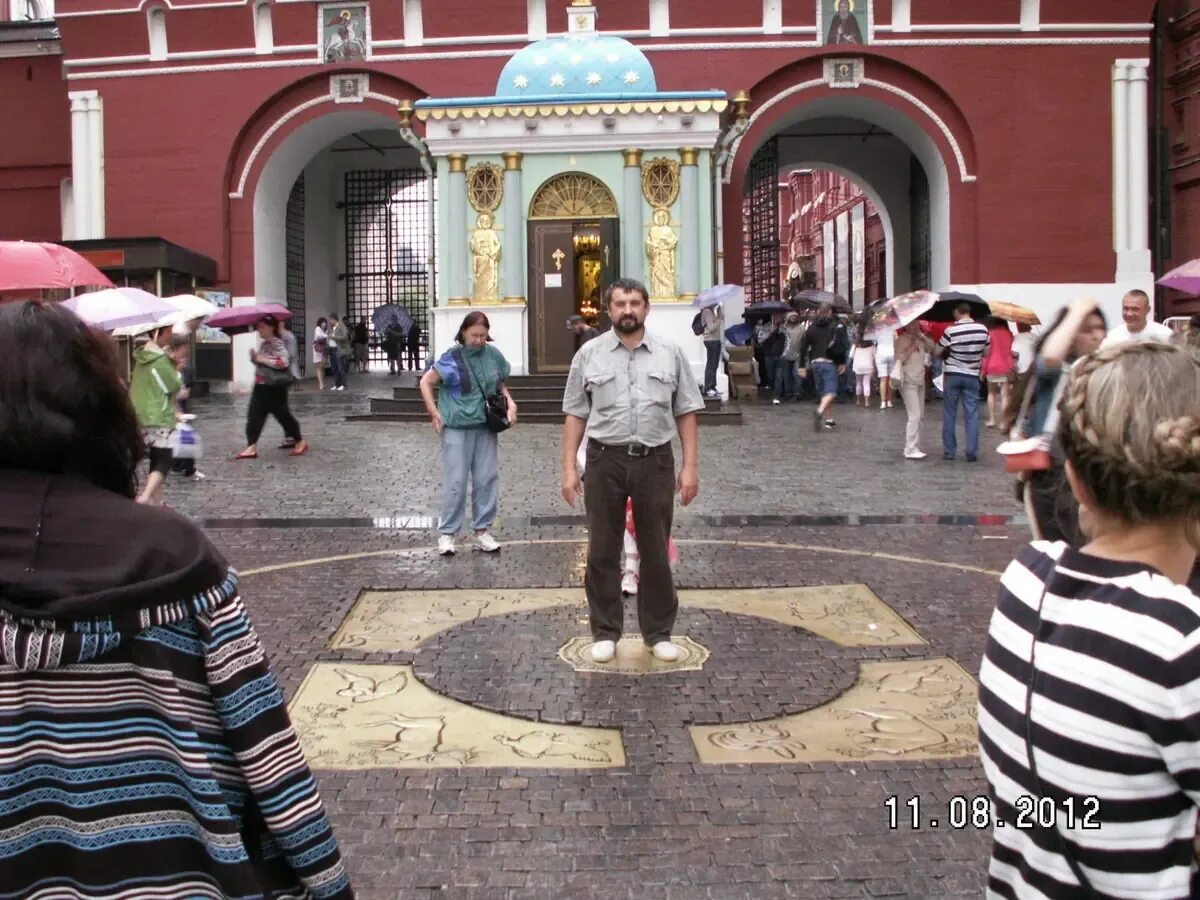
804 814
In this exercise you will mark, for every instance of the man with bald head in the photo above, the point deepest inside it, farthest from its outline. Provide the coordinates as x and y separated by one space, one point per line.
1135 311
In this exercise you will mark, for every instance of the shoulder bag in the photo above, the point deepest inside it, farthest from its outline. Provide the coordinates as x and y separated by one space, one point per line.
495 407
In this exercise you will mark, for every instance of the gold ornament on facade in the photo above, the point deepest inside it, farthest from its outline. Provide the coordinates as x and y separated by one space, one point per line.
485 187
573 196
660 181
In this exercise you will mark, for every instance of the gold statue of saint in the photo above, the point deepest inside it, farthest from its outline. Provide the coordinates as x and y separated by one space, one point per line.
485 256
661 244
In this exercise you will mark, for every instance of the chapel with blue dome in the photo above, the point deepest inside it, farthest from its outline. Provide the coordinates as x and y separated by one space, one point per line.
577 65
576 171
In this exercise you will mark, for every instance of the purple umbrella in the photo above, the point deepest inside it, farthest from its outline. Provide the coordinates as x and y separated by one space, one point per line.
1185 278
240 319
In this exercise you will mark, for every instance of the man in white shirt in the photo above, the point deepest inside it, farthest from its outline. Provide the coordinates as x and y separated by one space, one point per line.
1135 310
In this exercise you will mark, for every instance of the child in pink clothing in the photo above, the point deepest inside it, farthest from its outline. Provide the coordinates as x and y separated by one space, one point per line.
632 562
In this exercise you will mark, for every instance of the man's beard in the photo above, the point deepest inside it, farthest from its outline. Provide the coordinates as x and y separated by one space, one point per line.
627 324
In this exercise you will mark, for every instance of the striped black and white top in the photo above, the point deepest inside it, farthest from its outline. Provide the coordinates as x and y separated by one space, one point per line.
966 343
1113 714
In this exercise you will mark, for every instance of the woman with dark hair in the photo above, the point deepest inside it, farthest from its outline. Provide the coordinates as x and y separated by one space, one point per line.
320 350
1077 331
273 377
468 373
136 703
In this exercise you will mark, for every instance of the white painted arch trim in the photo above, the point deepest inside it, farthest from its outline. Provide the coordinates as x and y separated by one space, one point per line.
283 120
937 120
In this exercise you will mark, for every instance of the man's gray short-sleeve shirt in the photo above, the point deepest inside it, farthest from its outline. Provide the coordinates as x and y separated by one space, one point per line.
631 396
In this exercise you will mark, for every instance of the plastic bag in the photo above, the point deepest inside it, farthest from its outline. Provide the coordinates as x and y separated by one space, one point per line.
185 443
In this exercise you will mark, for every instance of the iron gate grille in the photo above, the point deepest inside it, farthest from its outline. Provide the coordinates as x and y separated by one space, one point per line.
922 244
760 230
295 267
389 248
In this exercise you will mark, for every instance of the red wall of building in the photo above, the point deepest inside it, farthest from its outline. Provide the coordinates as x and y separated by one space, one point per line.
33 96
449 18
1033 121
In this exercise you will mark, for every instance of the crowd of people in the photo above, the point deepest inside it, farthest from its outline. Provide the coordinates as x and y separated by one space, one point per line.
1089 688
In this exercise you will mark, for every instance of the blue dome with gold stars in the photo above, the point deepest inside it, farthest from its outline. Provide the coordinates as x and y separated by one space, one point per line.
577 65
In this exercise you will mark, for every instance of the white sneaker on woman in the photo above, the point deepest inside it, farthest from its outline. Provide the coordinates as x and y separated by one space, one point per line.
446 545
485 542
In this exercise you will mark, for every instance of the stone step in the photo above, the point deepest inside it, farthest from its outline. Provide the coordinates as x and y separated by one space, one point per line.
732 415
526 405
521 393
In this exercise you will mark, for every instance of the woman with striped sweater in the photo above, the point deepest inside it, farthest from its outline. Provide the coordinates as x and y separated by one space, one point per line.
1089 701
145 749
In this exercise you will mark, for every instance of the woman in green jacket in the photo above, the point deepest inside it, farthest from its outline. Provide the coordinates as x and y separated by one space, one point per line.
156 381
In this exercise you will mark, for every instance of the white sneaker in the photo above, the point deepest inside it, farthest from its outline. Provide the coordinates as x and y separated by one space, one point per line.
604 651
774 402
198 476
916 454
485 542
629 584
446 545
665 651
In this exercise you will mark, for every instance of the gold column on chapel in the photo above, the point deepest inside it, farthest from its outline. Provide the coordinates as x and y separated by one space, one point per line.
457 282
514 230
632 254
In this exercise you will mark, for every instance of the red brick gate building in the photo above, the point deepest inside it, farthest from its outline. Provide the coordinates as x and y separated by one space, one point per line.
1006 145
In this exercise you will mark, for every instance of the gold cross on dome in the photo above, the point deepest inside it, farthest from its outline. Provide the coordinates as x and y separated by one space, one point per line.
558 256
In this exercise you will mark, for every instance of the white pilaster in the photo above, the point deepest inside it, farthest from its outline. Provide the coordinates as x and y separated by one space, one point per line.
414 24
660 18
95 126
772 16
1031 15
81 168
901 16
1120 162
1137 133
1131 169
535 11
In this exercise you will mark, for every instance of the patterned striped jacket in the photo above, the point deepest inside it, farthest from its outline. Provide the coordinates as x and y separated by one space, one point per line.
148 754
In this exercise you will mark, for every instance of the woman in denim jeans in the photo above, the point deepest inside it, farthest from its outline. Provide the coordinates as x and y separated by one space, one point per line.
465 375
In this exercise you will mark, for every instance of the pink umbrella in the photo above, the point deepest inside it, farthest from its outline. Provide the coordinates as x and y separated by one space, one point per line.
237 319
1185 278
30 266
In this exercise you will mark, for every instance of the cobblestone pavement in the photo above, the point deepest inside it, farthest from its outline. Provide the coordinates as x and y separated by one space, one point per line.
665 824
774 463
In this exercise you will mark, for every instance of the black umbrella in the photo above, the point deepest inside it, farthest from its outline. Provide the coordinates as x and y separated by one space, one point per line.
765 310
802 300
943 310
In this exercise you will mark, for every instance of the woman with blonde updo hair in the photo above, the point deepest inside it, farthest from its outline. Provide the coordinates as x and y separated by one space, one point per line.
1089 700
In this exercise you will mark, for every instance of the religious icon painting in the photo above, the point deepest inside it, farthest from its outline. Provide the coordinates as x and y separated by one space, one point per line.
845 22
345 32
843 73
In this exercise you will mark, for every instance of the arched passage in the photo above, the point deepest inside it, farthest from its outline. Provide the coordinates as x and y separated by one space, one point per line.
330 209
893 134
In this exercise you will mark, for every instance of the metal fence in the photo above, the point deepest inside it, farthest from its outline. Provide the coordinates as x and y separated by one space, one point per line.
389 247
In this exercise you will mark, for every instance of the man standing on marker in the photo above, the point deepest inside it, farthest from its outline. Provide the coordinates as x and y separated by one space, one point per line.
633 391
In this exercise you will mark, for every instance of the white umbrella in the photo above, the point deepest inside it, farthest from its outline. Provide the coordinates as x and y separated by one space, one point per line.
119 307
194 307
